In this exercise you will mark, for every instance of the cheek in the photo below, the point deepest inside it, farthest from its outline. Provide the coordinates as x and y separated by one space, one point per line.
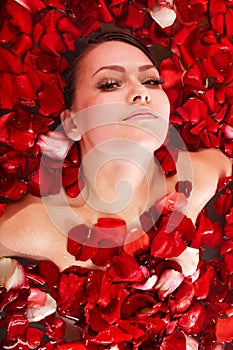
162 104
167 106
87 99
81 101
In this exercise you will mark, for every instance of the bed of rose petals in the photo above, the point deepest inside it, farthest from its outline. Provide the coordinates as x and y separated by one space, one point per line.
153 304
159 291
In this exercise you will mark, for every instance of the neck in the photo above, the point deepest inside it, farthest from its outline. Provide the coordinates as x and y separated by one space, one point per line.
120 188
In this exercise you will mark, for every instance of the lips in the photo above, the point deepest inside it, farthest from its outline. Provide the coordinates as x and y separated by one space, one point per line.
140 114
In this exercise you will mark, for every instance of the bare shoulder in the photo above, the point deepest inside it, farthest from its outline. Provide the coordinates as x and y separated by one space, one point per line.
22 211
213 161
26 230
22 221
208 166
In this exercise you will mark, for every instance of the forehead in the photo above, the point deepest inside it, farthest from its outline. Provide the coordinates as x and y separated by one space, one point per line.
114 52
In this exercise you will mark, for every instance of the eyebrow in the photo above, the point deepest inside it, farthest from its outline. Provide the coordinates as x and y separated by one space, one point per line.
121 69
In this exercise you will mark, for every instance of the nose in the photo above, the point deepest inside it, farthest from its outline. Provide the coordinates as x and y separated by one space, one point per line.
140 96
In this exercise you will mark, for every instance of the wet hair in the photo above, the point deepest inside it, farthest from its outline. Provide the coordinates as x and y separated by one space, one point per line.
83 48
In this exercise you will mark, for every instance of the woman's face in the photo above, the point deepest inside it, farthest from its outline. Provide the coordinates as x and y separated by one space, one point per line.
114 72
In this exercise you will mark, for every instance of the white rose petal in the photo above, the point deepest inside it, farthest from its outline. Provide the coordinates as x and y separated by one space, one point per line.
54 145
12 274
188 260
162 15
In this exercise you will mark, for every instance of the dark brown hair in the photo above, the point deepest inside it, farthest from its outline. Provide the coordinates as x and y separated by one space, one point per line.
84 47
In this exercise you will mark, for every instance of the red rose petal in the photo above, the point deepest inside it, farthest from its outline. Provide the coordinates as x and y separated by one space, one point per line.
22 45
51 101
203 283
47 63
193 320
112 335
224 329
104 256
125 268
50 272
110 223
74 189
226 247
94 319
194 77
7 98
138 242
135 17
192 141
111 309
228 259
228 26
137 303
172 201
167 245
129 328
56 331
52 43
105 15
2 208
9 62
78 244
70 175
193 110
20 16
166 159
21 140
44 182
208 233
34 336
7 33
14 191
66 25
223 203
228 228
174 341
50 20
112 230
69 41
171 72
58 4
75 345
17 325
23 91
36 5
37 32
71 295
182 298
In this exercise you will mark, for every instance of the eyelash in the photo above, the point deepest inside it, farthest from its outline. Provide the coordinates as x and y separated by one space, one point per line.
111 84
153 81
